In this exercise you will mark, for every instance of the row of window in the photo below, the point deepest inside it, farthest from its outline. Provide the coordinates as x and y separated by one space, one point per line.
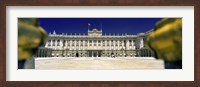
116 44
94 41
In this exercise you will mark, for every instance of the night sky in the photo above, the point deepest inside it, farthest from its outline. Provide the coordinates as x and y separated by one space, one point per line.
109 25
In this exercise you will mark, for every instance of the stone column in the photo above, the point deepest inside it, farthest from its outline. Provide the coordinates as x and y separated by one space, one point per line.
75 43
70 44
38 52
132 44
123 44
114 44
141 43
110 44
66 43
83 44
97 43
41 52
118 45
101 43
106 44
127 44
92 43
79 43
146 53
88 53
56 43
97 54
51 43
88 43
60 45
92 53
142 53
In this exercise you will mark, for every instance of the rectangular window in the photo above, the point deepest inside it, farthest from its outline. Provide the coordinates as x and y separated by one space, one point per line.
64 42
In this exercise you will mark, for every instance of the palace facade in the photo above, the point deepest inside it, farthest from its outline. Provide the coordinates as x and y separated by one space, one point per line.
95 44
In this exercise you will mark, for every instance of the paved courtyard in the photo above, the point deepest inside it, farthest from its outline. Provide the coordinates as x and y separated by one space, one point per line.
101 63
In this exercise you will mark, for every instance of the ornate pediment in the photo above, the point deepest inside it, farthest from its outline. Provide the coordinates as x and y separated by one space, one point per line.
95 32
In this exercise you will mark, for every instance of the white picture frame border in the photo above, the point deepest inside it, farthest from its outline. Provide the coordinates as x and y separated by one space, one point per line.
184 12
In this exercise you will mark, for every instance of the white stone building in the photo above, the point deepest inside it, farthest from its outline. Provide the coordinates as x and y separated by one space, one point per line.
95 44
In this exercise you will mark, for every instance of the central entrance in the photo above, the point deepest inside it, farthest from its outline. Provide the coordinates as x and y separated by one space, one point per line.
95 53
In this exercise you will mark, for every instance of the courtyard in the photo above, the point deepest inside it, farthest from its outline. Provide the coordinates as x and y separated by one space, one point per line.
98 63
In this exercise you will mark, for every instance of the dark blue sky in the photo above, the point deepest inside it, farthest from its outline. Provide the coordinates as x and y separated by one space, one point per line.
109 25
